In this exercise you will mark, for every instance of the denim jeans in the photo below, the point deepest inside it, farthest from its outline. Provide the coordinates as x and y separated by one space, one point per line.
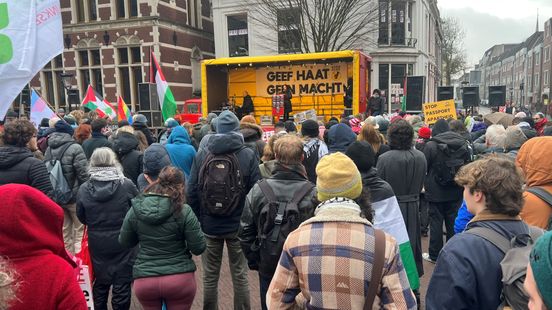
212 260
264 283
439 212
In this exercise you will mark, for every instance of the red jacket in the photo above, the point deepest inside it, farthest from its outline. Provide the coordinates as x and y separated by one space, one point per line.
31 239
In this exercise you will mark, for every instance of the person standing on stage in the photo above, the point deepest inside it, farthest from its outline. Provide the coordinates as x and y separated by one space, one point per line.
287 101
247 107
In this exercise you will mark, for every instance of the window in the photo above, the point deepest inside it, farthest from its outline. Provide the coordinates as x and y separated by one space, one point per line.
537 58
84 10
51 83
537 81
546 77
129 68
289 35
193 9
383 23
126 8
547 53
238 37
89 70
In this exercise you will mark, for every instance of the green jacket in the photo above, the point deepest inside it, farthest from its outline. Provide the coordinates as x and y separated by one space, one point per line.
167 242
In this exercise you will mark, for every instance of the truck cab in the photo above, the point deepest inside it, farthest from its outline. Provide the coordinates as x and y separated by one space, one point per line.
189 111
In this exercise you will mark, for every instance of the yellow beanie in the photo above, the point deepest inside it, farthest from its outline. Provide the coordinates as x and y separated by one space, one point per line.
338 176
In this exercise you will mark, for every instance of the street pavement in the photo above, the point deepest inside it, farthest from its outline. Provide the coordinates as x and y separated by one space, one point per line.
226 294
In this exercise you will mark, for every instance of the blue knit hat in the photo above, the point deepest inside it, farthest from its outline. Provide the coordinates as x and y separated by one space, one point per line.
227 122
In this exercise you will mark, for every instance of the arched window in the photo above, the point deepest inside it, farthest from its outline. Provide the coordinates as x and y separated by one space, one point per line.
128 63
89 65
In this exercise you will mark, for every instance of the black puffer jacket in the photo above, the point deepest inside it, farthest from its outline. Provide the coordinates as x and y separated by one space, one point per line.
73 163
437 150
97 141
18 165
102 205
249 166
125 145
252 136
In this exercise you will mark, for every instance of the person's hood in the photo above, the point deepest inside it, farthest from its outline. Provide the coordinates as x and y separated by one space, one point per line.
453 140
225 143
155 158
44 131
340 137
102 190
440 127
514 138
11 155
210 117
529 132
124 143
179 135
535 161
57 139
30 225
251 132
151 208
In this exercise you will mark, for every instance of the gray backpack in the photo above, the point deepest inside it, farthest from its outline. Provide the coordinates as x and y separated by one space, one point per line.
62 192
514 264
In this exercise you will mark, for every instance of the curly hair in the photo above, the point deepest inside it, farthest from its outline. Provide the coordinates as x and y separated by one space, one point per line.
18 133
171 184
83 132
400 135
8 284
498 179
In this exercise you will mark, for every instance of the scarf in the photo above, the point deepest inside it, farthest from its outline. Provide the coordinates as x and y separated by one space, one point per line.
105 174
292 169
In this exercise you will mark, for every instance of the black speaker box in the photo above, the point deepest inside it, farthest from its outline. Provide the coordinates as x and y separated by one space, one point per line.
470 96
497 96
415 92
445 93
147 97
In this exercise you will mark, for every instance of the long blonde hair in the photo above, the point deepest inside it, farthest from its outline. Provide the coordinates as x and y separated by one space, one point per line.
372 136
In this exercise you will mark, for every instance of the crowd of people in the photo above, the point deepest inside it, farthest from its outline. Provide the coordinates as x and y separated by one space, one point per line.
330 215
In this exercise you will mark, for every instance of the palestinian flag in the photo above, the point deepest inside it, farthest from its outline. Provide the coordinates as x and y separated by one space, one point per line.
166 98
95 102
388 217
123 113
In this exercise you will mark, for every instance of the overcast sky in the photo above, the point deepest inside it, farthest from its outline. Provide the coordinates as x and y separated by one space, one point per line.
490 22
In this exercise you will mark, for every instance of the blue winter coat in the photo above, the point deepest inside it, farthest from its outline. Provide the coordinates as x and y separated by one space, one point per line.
462 219
467 274
180 150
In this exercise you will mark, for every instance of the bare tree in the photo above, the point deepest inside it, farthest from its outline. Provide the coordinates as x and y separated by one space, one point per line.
453 53
317 25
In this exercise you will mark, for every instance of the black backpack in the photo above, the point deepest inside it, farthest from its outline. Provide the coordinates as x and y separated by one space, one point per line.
221 184
450 163
276 220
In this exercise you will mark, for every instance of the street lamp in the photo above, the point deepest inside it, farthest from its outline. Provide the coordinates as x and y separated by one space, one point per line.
66 79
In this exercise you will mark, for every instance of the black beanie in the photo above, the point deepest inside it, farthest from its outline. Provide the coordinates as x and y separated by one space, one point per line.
362 154
62 126
290 126
310 128
439 127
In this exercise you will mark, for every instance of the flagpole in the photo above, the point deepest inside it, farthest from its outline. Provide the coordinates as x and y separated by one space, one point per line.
45 101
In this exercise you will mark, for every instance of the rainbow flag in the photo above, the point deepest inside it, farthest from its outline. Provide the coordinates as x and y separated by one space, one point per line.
95 102
123 113
39 109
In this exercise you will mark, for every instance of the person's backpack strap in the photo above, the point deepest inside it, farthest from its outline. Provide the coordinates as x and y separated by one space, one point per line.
271 197
302 192
541 193
63 150
498 240
377 268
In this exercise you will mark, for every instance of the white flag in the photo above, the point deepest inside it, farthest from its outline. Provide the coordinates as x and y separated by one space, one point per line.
30 36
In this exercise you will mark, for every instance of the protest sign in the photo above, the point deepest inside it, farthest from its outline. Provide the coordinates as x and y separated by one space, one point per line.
434 111
86 286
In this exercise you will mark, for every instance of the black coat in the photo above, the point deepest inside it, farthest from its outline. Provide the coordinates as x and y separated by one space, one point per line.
438 150
249 166
247 106
146 131
18 165
287 100
96 141
102 206
125 145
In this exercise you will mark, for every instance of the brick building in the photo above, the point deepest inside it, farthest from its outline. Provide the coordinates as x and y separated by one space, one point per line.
547 63
108 44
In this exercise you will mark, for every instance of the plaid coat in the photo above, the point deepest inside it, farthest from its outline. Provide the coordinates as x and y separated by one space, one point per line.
327 264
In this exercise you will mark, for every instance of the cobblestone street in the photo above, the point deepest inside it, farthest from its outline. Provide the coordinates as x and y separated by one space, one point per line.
226 293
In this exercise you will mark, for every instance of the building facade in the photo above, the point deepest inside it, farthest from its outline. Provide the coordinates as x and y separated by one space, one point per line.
524 69
108 45
406 40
